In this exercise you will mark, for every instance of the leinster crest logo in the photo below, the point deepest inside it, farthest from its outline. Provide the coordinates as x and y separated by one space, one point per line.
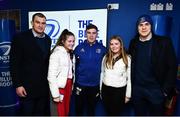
4 54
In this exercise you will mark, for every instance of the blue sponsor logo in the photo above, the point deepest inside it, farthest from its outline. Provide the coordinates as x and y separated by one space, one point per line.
4 54
52 28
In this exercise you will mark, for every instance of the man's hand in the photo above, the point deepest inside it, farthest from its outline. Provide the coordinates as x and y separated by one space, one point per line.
21 92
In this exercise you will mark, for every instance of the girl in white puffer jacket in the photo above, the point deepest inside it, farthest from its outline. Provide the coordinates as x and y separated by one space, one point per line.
60 72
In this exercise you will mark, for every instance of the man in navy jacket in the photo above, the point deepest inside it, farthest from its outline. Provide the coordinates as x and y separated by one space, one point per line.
89 55
154 68
29 58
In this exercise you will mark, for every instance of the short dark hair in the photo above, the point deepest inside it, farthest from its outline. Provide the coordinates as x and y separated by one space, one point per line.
91 26
39 15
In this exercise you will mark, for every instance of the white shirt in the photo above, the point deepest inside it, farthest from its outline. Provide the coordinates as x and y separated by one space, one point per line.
117 77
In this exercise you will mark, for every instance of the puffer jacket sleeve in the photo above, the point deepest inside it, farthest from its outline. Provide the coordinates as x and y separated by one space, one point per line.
128 88
53 73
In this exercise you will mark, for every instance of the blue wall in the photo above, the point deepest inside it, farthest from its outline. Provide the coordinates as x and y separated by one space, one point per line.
121 21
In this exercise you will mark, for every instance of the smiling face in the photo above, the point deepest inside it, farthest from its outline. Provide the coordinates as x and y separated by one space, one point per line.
144 29
115 46
69 43
39 25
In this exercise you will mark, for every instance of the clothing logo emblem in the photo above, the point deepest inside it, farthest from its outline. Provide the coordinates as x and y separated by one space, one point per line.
78 90
98 51
4 54
82 50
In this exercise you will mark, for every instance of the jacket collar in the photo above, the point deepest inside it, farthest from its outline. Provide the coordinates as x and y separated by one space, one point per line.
36 35
86 42
62 48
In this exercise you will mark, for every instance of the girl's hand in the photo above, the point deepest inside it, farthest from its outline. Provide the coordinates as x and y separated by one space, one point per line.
127 99
57 99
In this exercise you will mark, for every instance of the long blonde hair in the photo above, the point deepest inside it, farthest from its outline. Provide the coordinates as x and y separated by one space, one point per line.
122 54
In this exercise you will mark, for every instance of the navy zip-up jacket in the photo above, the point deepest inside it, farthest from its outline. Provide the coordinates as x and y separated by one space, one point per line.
88 63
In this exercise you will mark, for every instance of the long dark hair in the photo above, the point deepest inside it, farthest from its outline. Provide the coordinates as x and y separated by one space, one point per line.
63 37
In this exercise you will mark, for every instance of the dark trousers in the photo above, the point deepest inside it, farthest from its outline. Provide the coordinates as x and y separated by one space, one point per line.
35 107
86 97
113 99
148 101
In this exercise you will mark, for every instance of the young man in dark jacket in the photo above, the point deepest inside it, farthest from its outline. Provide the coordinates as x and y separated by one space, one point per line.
154 68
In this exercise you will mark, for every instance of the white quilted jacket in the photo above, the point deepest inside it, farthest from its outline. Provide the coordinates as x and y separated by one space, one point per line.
59 65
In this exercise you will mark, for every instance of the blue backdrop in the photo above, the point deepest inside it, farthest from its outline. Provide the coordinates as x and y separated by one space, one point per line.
121 21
